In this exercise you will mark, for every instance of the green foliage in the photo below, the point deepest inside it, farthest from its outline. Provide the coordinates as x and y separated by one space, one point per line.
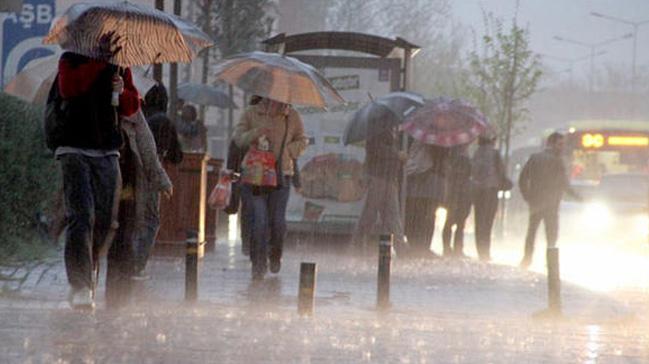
235 25
503 75
28 177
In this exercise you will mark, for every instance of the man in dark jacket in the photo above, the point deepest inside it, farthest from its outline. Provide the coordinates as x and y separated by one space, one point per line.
86 142
542 182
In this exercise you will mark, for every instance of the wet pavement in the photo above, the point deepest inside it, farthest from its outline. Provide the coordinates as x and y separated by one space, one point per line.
443 311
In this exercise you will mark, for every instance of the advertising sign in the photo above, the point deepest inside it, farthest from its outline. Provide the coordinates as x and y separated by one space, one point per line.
22 35
332 178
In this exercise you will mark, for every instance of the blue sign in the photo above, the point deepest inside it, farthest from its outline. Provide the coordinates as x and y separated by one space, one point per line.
22 36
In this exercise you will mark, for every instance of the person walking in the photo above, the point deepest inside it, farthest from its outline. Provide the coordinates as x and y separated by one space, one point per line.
458 201
283 128
543 182
487 178
142 177
426 190
167 149
383 162
85 138
191 130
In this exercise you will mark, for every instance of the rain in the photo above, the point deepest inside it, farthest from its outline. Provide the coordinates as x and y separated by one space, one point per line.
326 181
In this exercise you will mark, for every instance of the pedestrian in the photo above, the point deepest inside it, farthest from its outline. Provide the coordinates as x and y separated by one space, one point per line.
542 182
282 127
487 178
167 149
142 178
191 130
82 127
426 190
383 163
458 201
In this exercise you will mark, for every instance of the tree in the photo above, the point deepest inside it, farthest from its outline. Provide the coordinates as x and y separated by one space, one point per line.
235 26
503 76
426 23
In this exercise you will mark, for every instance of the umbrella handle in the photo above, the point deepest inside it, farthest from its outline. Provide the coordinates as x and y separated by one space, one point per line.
114 100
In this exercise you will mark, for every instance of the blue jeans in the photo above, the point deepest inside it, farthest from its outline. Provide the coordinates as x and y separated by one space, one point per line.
247 218
90 186
269 221
147 233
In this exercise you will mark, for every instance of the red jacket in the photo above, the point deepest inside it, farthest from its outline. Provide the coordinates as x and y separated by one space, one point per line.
77 79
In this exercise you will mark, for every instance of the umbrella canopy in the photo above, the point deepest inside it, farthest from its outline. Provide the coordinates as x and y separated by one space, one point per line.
205 95
142 35
445 122
33 83
278 77
384 112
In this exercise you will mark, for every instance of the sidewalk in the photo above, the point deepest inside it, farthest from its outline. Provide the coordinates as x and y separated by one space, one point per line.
443 311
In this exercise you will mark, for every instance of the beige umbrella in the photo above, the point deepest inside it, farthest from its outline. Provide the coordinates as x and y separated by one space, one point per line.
141 35
278 77
33 83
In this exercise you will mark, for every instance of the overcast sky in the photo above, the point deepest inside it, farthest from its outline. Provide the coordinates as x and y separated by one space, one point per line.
570 19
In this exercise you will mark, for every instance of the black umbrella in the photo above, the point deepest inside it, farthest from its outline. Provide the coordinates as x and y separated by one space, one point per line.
205 95
384 112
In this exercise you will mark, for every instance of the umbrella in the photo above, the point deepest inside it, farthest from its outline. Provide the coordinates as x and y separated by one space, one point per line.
278 77
142 35
33 83
445 122
205 95
386 111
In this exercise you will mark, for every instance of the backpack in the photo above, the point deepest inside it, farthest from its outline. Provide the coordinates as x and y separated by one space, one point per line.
55 117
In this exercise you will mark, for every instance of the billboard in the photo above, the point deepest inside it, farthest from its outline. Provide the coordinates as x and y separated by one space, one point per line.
332 178
22 35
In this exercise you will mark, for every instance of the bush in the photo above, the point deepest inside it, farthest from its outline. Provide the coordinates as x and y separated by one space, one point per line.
29 179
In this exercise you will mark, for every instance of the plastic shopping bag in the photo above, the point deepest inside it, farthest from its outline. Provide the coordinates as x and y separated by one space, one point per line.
220 196
258 168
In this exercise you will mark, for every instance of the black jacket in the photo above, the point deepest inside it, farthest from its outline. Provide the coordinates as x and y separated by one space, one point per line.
543 180
87 121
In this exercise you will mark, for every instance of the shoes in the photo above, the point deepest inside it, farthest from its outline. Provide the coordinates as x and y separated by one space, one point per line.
81 298
258 274
275 263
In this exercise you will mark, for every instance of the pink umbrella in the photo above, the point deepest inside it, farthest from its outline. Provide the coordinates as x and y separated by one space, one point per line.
445 122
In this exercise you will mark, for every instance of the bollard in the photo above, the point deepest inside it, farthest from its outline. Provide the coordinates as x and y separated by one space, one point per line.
554 280
385 260
191 270
306 295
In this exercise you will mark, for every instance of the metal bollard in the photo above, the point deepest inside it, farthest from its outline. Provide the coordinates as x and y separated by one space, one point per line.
385 261
191 270
306 295
554 280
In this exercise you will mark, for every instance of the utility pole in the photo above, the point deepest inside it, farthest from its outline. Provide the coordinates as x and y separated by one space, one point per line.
592 47
635 25
157 68
173 74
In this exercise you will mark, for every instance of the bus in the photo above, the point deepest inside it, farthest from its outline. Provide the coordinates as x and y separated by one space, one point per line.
601 147
609 162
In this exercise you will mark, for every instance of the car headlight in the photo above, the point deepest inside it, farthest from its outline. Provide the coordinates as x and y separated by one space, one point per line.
598 216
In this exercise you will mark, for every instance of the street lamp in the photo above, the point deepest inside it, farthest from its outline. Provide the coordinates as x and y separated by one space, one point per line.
571 61
635 25
592 47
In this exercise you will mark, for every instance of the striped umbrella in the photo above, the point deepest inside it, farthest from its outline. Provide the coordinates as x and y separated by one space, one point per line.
445 122
278 77
142 35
